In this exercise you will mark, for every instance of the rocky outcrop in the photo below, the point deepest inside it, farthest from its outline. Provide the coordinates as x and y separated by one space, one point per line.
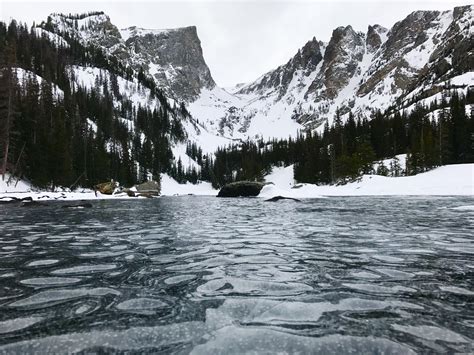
173 57
306 60
341 58
241 189
373 40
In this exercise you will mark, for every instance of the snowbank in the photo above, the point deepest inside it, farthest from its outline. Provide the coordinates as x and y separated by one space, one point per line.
170 187
446 180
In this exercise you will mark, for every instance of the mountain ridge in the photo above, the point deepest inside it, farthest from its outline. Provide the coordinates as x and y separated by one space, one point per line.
353 71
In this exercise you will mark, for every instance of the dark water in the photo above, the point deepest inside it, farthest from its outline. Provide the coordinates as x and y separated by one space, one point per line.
208 275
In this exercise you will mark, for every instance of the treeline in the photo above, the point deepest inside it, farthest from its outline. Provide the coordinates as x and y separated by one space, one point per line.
346 150
62 134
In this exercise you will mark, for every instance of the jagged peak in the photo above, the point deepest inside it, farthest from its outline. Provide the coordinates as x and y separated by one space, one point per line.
377 28
376 35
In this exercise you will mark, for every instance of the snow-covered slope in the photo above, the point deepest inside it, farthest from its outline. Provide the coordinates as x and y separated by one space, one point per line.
444 181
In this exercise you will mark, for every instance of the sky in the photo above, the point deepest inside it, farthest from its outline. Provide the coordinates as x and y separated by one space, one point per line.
243 39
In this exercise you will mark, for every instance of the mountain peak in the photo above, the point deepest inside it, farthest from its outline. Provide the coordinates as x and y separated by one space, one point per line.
376 35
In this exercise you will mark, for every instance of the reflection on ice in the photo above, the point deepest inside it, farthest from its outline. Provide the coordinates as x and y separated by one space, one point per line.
206 275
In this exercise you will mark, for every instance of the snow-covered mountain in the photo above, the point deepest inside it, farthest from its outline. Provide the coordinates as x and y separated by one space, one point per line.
173 57
419 58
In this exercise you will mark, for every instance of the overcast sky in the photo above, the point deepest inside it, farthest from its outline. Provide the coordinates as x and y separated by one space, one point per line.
241 40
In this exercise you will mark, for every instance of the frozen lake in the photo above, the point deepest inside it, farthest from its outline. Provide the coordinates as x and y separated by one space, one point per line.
206 275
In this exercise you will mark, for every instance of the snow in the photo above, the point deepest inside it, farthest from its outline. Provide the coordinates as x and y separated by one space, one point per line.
419 56
207 141
446 181
179 152
14 185
170 187
133 31
23 75
21 189
92 125
52 37
463 79
387 162
281 177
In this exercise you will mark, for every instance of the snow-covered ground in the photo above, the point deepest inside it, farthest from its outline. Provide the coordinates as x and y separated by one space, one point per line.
169 187
446 180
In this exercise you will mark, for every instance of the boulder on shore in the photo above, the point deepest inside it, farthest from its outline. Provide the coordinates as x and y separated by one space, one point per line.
148 189
106 188
241 189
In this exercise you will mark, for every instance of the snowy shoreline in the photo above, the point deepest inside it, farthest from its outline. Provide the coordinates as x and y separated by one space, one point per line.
449 180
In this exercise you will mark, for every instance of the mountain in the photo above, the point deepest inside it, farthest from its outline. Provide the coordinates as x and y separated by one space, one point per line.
417 59
173 57
421 56
133 103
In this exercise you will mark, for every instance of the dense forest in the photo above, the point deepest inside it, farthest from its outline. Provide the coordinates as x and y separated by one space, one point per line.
55 132
63 134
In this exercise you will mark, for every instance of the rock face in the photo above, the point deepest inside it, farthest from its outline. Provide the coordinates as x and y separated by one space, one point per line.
241 189
341 59
374 38
306 60
173 57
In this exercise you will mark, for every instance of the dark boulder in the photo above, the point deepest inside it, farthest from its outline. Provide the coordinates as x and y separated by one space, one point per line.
241 189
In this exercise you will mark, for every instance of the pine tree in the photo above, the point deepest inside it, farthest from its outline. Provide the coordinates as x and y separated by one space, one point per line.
8 88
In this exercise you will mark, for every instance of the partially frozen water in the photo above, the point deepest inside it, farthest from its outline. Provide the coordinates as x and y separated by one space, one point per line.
205 275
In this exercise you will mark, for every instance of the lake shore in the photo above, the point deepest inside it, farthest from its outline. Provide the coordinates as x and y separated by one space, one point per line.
449 180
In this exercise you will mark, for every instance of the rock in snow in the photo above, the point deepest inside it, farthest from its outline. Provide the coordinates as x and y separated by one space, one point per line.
241 189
